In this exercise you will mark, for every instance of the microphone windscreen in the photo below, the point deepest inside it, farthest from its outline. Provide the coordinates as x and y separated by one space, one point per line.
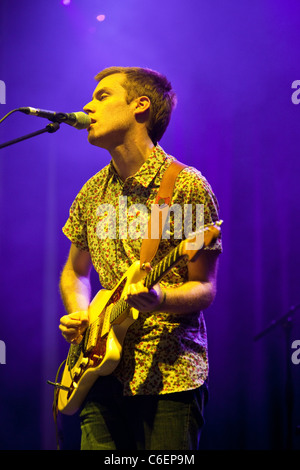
82 120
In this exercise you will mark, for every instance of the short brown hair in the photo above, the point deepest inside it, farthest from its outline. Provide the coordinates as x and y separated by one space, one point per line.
146 82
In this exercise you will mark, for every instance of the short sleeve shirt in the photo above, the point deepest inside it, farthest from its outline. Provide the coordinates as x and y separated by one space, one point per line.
162 353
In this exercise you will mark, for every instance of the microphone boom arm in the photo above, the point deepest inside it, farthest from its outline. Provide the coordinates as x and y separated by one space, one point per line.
50 128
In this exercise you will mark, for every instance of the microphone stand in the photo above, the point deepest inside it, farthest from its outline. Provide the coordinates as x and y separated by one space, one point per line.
286 322
50 128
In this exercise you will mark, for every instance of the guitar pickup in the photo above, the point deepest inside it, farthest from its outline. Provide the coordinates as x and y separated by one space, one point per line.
92 336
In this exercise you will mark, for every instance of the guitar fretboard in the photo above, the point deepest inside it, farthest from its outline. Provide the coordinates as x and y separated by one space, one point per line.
151 279
118 309
164 266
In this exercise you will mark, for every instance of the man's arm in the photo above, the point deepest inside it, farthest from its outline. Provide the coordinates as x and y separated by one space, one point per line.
196 294
75 288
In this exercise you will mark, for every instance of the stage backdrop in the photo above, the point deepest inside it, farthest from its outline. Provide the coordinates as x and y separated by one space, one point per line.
233 65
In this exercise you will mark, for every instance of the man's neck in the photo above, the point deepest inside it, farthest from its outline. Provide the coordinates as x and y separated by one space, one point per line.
127 159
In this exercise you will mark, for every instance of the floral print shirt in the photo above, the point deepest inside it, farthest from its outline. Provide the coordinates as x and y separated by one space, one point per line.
162 353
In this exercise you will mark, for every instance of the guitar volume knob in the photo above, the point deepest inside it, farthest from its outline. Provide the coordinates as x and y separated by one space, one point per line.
84 362
77 371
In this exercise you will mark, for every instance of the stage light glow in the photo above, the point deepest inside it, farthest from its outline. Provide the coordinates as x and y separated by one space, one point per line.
66 2
101 17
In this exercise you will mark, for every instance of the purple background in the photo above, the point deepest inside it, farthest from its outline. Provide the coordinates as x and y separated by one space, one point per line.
232 65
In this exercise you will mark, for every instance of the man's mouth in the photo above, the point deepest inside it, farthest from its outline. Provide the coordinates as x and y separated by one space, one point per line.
93 121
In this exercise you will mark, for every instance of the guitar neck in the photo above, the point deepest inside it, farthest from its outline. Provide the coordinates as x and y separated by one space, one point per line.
164 266
173 258
151 279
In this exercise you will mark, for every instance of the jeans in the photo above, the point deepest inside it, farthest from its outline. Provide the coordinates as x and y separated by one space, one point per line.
111 421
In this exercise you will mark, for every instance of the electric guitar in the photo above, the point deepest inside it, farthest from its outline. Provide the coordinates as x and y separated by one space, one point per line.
99 352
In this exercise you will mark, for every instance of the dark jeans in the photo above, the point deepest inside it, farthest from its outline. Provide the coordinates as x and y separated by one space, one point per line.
110 421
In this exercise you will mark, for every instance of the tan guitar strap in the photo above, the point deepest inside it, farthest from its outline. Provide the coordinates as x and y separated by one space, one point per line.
162 203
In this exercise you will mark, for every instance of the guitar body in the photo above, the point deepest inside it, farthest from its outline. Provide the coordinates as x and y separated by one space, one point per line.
101 352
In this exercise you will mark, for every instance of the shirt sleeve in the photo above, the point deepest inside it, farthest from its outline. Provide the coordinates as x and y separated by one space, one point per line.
75 227
193 189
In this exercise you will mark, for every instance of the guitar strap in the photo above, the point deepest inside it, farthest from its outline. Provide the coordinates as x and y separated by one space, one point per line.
162 202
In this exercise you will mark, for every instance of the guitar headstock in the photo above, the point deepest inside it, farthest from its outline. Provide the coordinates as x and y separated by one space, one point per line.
204 237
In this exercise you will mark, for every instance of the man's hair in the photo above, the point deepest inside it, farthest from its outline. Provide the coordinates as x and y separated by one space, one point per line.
146 82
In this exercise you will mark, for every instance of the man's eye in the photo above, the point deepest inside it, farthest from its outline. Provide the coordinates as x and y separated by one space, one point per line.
102 97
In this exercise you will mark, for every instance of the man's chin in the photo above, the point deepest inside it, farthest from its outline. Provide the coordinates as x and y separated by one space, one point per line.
95 141
91 139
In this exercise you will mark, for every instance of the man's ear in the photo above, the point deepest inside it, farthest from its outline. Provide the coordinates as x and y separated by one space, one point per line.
142 107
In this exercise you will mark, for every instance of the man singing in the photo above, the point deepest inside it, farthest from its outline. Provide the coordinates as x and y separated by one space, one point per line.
154 399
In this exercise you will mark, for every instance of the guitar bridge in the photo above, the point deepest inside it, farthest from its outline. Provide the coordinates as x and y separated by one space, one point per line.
74 354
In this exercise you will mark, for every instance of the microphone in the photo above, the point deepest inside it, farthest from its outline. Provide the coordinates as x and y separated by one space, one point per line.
78 120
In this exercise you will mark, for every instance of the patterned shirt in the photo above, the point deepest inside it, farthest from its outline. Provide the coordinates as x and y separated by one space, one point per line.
162 353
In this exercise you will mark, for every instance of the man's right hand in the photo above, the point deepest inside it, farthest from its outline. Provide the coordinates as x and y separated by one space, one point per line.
73 326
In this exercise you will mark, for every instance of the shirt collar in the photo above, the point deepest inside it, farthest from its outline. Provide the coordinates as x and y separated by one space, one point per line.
148 170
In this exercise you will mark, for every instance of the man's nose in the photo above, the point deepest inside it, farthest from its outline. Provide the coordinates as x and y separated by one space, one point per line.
88 108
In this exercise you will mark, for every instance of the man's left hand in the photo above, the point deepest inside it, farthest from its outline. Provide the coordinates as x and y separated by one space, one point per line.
143 299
